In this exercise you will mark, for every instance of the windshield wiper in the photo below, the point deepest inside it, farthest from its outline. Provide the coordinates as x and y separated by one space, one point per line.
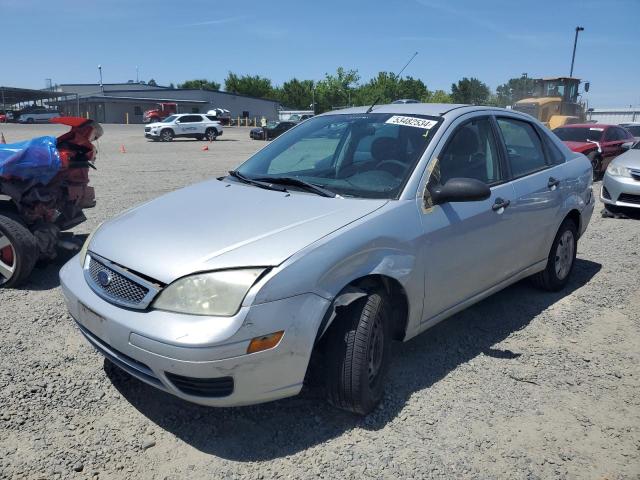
257 183
311 187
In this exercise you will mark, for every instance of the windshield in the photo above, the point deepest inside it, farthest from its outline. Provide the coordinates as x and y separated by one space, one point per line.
359 155
169 119
579 134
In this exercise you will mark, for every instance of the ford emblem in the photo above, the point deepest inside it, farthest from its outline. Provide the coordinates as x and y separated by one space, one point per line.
104 278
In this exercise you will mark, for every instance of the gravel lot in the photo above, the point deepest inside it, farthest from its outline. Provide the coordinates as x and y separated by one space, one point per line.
523 385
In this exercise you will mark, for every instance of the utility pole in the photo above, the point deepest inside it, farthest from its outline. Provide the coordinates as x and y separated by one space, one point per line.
575 42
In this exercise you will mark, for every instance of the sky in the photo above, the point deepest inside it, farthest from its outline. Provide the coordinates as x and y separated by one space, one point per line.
177 40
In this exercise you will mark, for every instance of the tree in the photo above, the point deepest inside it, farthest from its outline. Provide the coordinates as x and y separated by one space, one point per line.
254 86
515 89
439 96
470 90
152 83
386 87
296 94
336 90
200 84
172 86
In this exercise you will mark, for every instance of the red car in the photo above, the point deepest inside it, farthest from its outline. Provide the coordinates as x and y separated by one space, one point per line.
600 143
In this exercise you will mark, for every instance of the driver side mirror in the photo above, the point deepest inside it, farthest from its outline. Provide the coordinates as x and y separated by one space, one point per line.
460 190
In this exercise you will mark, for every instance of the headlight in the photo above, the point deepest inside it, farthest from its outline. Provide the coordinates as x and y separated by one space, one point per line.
85 247
214 293
618 171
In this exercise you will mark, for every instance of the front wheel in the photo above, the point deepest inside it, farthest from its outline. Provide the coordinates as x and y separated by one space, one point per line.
596 163
561 259
358 354
166 135
18 252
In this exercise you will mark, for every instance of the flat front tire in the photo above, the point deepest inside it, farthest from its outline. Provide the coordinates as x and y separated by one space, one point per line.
561 260
358 354
18 252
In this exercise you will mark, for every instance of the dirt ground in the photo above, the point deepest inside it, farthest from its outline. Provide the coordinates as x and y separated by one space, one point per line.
524 385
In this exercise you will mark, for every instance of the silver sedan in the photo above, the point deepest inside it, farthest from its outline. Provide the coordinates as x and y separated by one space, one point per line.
351 230
621 182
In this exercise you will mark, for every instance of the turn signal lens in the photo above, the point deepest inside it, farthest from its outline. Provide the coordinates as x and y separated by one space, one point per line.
264 343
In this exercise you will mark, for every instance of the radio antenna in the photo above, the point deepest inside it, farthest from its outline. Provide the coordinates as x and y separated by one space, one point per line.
397 76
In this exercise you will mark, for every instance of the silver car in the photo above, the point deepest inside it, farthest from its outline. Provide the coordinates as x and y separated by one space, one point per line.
353 229
621 182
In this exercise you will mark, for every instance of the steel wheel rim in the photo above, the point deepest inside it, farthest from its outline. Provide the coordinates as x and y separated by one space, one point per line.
376 350
7 259
564 255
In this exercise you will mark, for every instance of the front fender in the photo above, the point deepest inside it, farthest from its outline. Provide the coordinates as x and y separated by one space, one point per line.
384 243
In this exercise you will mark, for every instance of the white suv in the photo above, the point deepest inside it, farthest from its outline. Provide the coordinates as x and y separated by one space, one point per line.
38 115
193 125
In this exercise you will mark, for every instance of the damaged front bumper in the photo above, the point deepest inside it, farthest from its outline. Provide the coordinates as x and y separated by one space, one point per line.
201 359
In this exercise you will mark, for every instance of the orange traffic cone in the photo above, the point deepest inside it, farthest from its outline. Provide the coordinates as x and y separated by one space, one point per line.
205 148
122 149
2 140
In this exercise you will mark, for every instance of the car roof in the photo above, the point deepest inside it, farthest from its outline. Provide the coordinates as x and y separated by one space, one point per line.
450 110
588 125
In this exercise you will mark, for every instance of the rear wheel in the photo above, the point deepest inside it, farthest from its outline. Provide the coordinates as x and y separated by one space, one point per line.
18 252
358 354
211 134
561 259
166 135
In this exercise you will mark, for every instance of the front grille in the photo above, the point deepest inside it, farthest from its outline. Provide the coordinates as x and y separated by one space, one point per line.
635 174
120 288
147 129
605 193
202 387
628 198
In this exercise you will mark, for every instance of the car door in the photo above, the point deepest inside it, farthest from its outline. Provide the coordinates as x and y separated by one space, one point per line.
188 124
467 244
538 183
609 146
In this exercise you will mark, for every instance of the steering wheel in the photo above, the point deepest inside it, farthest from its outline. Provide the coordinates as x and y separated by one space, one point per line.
394 167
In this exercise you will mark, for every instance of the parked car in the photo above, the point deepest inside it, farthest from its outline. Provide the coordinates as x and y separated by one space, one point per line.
222 115
38 115
189 125
349 231
621 182
633 129
296 117
600 143
7 116
272 130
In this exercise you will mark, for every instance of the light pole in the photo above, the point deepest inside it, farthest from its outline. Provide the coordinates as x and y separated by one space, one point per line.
100 72
575 42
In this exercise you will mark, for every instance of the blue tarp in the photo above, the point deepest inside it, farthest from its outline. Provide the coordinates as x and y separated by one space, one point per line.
36 159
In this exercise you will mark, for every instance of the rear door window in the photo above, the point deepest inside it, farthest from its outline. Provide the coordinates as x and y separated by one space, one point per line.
523 145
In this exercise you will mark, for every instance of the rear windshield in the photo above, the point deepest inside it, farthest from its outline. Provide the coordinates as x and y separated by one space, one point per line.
579 134
359 155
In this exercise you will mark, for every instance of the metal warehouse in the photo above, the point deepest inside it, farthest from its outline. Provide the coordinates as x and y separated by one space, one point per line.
126 102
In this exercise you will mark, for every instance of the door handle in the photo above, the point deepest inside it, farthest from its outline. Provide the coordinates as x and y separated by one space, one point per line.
500 203
553 183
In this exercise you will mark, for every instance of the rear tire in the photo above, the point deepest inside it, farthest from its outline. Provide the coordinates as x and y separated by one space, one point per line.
18 252
211 134
561 260
358 354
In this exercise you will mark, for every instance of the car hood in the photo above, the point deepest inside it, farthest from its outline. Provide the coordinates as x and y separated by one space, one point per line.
219 224
629 159
581 147
156 124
